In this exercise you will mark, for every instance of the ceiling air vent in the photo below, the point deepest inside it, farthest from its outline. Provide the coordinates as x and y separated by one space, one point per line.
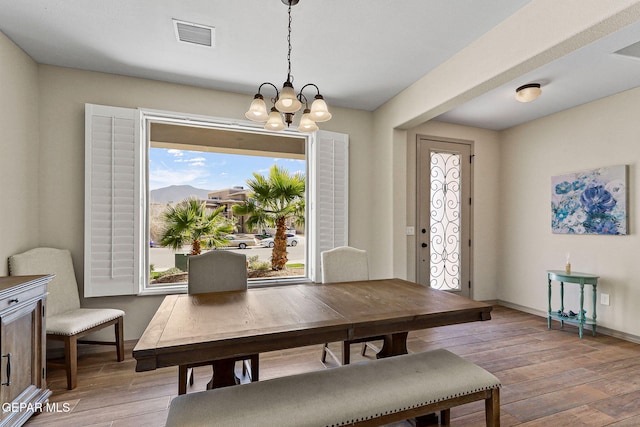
188 32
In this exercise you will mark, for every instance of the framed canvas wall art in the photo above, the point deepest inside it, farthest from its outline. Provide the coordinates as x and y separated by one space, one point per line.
590 202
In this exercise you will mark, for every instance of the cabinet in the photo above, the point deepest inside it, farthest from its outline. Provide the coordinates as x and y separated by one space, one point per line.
23 388
580 318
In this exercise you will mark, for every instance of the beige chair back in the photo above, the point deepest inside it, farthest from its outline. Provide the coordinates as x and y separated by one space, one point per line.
63 289
217 271
344 264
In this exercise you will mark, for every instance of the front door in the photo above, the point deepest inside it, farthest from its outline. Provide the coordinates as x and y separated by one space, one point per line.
444 215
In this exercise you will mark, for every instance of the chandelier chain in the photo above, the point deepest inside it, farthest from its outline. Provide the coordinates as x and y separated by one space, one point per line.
289 43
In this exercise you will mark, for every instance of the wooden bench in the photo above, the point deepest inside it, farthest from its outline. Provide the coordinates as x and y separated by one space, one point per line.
365 394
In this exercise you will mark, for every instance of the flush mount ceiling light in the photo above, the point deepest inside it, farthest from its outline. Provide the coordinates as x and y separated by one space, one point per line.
286 102
528 92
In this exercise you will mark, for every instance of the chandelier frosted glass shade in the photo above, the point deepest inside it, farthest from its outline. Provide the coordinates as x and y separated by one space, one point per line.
306 124
287 101
275 120
258 110
319 111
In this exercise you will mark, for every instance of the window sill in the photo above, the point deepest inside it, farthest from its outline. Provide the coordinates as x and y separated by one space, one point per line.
182 287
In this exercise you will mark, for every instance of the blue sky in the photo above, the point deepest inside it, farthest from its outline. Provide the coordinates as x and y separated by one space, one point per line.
210 171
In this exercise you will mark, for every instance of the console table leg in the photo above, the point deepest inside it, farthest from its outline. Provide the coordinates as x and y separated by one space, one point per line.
549 311
561 302
595 298
581 317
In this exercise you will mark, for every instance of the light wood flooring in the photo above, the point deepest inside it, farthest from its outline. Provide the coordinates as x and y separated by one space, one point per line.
550 377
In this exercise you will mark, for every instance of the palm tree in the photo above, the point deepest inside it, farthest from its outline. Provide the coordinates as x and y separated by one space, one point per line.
275 200
189 222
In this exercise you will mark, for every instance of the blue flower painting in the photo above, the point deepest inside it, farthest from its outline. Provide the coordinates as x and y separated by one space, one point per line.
590 202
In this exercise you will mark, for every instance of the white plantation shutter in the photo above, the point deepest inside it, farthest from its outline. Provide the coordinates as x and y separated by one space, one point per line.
112 201
329 192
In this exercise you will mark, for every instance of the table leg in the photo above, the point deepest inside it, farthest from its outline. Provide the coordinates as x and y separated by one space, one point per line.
394 345
223 374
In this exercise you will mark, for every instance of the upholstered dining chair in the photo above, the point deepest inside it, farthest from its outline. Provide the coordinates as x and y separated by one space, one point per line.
217 271
65 320
345 264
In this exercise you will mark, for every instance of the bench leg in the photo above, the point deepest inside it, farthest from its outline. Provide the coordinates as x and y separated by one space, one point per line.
492 409
445 417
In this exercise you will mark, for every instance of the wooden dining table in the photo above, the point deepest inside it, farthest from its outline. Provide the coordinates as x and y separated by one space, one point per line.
222 326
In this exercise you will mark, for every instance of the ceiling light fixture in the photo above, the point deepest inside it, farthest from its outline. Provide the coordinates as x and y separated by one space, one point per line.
528 92
287 102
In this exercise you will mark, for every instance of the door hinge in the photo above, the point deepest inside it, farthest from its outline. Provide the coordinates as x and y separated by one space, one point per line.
43 374
471 158
42 310
469 284
469 242
469 200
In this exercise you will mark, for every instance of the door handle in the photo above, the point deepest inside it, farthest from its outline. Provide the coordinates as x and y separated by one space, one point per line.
424 245
8 356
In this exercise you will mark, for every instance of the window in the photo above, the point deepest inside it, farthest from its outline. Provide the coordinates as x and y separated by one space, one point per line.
116 187
210 165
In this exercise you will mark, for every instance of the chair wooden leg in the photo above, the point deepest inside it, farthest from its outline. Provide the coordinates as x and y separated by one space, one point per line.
492 409
119 327
364 348
346 352
71 361
182 379
324 352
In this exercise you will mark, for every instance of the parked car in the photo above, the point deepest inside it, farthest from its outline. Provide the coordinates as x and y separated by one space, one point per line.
269 242
239 241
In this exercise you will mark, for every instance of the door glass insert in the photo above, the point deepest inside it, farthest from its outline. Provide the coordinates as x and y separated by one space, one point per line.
445 198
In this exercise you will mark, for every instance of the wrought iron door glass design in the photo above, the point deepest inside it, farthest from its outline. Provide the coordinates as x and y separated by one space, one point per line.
445 221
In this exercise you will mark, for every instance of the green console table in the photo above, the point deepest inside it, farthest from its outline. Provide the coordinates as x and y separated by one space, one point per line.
582 279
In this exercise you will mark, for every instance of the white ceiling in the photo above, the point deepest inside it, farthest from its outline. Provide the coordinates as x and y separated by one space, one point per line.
359 52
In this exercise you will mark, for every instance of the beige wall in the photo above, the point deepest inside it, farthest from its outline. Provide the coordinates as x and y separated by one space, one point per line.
601 133
63 95
19 166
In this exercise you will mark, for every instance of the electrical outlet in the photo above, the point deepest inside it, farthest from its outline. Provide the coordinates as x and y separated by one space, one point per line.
604 299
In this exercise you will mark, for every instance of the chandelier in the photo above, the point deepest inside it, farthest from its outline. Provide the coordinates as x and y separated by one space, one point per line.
286 102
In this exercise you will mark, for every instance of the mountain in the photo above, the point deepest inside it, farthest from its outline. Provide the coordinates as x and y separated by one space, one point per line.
176 193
